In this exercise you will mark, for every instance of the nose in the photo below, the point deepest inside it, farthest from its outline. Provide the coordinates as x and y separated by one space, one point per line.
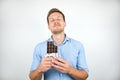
56 21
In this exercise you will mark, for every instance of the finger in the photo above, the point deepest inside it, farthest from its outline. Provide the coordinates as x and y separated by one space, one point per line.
58 63
60 60
43 63
47 63
57 67
47 66
47 59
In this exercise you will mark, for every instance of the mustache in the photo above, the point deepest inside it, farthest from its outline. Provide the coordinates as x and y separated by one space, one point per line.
57 24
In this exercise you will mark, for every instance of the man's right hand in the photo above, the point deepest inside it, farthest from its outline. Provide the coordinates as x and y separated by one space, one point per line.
45 65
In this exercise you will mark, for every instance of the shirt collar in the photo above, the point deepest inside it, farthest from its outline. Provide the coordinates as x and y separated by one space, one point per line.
65 40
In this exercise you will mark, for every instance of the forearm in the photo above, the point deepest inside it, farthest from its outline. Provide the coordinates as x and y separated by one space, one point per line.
78 74
35 75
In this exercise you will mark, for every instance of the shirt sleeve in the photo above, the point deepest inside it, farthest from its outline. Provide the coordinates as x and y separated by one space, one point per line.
81 61
36 58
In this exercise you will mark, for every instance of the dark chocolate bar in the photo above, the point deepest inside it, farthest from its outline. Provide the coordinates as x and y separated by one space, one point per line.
51 48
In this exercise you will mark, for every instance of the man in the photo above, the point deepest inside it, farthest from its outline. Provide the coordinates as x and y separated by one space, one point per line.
70 63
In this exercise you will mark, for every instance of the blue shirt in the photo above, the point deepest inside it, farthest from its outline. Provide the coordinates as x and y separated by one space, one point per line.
70 50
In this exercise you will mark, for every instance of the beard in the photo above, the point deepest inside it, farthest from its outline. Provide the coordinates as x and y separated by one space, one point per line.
57 31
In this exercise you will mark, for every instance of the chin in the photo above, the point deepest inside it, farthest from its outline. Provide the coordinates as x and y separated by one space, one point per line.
57 32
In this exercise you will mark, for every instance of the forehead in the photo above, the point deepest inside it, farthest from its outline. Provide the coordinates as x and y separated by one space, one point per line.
55 14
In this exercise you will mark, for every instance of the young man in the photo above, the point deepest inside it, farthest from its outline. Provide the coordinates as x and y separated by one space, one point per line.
70 64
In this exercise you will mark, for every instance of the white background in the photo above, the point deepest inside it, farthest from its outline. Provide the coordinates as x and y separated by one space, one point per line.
96 23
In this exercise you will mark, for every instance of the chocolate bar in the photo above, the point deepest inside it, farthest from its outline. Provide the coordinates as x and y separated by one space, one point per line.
51 49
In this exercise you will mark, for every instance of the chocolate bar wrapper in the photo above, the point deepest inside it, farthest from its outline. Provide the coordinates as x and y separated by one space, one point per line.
52 55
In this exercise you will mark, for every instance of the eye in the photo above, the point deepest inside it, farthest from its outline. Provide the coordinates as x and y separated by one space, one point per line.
51 20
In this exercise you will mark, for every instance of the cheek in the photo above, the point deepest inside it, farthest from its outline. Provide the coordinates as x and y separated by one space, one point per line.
63 23
50 26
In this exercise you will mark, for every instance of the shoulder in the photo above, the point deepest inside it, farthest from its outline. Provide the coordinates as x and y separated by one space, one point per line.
76 43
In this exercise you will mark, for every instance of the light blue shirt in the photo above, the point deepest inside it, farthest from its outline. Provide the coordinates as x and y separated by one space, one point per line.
70 50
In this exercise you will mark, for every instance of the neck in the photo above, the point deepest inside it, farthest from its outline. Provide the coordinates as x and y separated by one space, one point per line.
58 38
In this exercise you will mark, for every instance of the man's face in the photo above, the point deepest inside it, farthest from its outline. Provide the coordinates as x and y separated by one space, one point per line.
56 23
